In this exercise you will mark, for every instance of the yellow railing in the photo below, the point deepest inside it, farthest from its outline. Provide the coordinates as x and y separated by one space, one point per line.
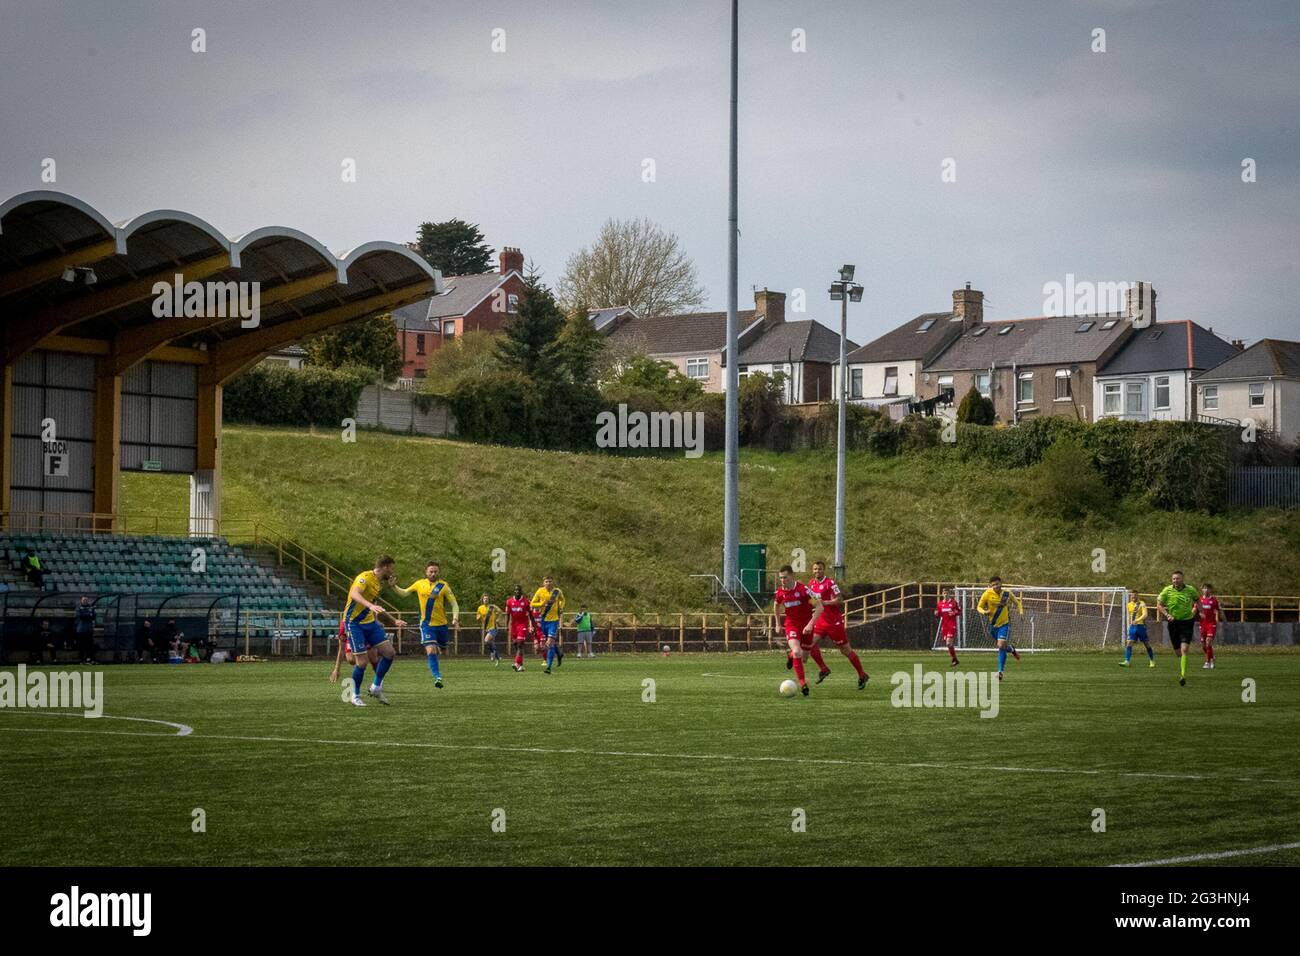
312 567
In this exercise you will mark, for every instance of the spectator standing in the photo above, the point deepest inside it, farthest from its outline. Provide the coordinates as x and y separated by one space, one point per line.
85 628
582 624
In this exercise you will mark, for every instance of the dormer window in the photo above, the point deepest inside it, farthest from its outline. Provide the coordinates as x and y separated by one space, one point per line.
978 331
925 326
1005 329
1085 326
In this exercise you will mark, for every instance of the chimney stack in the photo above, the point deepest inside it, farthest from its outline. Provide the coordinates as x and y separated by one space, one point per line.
771 305
1140 305
968 304
512 260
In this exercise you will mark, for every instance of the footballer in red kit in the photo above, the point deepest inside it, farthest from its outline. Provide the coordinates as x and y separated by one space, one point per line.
793 606
829 619
520 614
1209 614
948 611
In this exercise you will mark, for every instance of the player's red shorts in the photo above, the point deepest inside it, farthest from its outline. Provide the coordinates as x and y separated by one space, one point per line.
947 638
832 629
794 632
518 632
1207 633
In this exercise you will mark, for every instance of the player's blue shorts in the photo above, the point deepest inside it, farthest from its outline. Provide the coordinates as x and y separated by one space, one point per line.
1138 632
362 636
1002 632
433 634
549 628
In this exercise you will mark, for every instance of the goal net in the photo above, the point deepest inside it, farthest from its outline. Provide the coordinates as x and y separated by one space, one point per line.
1053 618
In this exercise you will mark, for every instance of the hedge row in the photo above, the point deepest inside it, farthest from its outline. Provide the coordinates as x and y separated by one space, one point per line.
279 395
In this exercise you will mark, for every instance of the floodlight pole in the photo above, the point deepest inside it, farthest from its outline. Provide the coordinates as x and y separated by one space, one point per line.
841 440
842 290
731 496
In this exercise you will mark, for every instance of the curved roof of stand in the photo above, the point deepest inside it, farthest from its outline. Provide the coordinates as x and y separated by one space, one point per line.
67 272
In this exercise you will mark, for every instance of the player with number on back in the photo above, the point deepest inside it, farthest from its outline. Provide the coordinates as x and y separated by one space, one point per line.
1209 614
948 612
995 605
793 605
829 620
1137 631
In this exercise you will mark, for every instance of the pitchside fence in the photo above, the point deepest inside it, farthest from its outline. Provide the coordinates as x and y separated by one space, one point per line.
311 632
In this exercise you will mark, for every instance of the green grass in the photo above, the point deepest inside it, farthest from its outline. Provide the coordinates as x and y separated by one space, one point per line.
625 533
709 773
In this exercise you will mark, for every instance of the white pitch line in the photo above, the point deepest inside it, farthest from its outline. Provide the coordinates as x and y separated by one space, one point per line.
182 730
1225 855
659 755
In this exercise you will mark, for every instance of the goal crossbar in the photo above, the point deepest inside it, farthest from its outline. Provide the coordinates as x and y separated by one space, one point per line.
1053 618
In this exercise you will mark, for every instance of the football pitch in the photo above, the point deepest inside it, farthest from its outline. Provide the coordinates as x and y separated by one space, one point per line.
645 759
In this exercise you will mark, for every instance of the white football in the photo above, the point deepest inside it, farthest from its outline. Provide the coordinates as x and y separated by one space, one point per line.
788 688
667 648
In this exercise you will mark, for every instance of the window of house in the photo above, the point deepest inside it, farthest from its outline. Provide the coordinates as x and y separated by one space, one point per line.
855 383
1256 391
1025 388
925 326
742 371
1085 326
978 331
697 368
449 330
1110 398
512 303
1162 392
1210 397
436 326
1109 324
1134 398
1005 329
419 345
946 384
891 380
1064 387
984 383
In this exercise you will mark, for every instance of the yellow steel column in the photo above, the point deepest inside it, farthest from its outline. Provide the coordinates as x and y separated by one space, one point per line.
6 437
108 443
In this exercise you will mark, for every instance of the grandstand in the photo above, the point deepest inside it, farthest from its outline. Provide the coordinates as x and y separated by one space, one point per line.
231 597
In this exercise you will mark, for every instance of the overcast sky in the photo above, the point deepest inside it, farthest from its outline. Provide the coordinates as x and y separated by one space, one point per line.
1109 166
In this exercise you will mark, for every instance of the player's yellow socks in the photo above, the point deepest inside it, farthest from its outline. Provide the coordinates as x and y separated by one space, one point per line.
1182 665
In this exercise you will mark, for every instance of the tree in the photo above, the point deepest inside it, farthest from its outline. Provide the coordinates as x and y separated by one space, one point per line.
660 379
456 247
527 344
581 348
370 342
467 357
633 262
975 409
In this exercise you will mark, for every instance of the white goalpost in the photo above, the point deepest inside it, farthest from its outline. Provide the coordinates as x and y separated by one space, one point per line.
1054 618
